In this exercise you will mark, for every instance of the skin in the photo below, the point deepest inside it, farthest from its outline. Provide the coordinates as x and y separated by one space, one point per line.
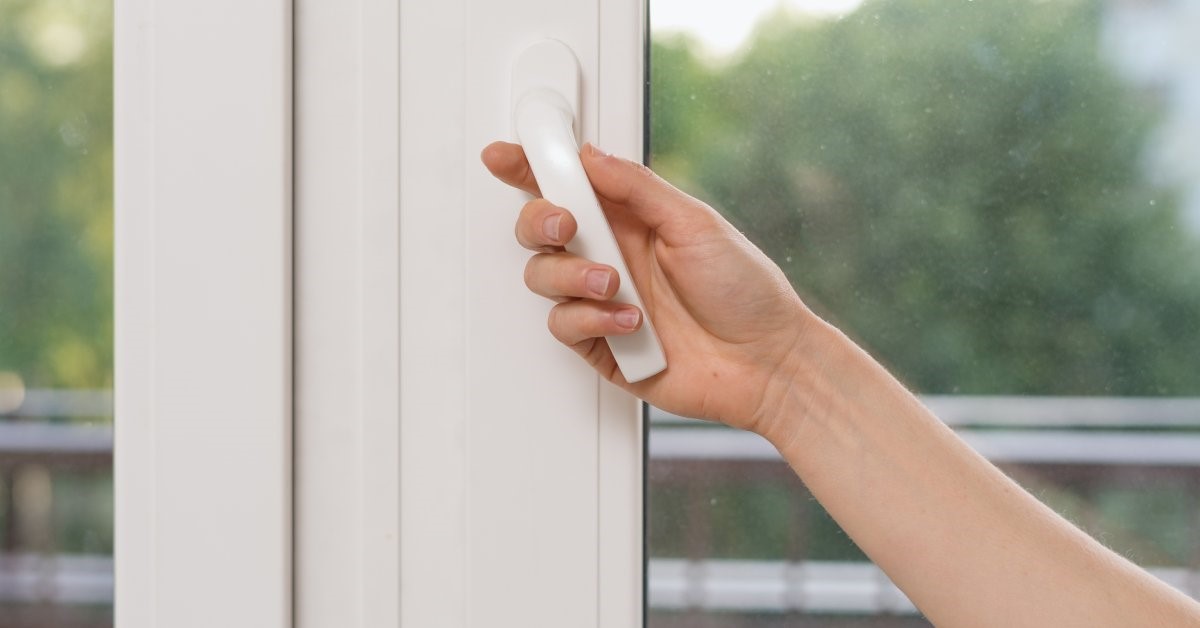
966 544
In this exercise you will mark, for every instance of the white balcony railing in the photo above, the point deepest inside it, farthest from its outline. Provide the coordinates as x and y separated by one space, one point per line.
1121 432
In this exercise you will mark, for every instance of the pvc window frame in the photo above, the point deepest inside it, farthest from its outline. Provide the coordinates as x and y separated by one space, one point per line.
336 402
202 298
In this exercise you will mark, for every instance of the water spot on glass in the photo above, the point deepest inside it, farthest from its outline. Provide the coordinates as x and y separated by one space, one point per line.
74 132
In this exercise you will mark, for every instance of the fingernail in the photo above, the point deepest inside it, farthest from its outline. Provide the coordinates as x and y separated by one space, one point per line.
550 227
597 281
595 152
627 318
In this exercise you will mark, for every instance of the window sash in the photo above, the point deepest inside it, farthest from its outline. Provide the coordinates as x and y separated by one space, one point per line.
453 464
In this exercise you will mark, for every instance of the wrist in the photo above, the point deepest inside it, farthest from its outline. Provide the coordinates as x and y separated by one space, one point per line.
799 387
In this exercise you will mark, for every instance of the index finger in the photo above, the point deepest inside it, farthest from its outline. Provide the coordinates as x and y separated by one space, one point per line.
507 162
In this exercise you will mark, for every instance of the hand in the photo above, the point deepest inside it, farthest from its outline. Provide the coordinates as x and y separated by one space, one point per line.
727 317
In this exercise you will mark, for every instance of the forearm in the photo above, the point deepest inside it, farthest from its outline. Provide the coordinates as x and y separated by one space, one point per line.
968 546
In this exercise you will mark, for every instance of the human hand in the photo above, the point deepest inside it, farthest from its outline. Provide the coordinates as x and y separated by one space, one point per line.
727 317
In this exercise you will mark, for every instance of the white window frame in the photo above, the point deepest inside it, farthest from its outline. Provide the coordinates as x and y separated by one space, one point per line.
203 313
453 465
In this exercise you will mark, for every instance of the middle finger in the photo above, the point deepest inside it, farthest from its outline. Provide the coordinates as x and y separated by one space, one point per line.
561 275
544 226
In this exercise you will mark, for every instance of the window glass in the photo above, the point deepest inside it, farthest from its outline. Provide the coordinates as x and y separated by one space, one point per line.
1001 202
56 519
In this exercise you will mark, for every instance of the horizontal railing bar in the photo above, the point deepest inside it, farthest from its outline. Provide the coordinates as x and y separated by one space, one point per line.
847 587
1032 446
27 437
67 579
994 410
833 587
1038 411
59 403
1008 446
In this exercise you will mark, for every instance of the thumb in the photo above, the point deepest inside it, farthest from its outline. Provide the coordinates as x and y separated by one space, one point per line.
658 204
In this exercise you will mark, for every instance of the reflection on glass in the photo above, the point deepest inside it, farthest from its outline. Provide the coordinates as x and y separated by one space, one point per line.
55 312
1001 201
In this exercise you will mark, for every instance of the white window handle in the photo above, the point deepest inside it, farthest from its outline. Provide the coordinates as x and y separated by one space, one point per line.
545 102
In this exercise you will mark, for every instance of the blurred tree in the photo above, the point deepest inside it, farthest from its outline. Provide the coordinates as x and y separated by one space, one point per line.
959 185
56 192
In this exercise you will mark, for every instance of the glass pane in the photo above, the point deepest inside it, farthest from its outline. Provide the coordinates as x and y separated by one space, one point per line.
1001 201
56 511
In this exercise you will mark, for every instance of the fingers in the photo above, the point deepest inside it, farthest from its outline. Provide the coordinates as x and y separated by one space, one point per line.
507 162
575 322
658 204
543 226
563 276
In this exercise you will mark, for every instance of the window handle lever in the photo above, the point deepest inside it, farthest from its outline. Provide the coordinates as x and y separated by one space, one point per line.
545 106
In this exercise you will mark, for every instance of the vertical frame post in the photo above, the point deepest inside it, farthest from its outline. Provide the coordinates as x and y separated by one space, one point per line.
203 313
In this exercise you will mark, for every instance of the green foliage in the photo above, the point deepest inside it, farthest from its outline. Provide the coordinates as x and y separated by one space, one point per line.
83 513
959 185
56 192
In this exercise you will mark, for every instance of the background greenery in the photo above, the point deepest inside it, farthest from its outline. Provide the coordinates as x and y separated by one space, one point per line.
56 192
958 184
